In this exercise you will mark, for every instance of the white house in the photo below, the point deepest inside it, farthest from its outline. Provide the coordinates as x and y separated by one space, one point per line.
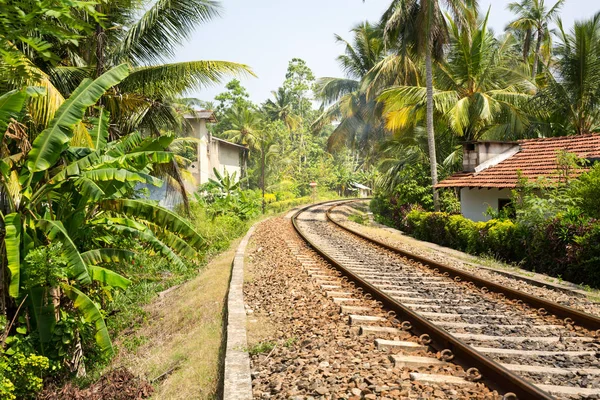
491 169
212 152
363 191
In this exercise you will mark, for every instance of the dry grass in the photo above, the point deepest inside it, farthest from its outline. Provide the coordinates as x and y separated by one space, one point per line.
184 334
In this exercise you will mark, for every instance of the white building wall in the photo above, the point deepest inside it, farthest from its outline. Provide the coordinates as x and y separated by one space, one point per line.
200 168
475 202
229 160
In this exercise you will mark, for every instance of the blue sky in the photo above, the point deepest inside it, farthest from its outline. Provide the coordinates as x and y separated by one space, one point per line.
266 34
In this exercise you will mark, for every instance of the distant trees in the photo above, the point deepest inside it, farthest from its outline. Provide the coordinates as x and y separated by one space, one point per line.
532 20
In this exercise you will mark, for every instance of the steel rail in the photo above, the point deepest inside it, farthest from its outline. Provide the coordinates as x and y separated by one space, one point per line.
494 374
580 318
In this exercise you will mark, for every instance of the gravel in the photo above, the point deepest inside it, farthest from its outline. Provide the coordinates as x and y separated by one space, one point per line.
317 355
340 214
446 296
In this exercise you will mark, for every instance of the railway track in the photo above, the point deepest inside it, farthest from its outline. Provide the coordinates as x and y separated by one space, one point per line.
523 346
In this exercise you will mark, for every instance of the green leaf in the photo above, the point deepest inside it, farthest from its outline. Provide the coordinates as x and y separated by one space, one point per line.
78 267
120 175
124 226
156 215
12 241
92 315
11 103
108 277
98 256
48 145
99 133
22 330
42 312
90 191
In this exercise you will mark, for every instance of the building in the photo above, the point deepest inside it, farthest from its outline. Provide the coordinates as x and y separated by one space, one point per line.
363 191
491 169
212 153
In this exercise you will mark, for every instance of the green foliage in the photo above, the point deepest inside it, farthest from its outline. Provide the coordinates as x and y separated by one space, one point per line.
261 348
46 266
22 375
564 245
586 192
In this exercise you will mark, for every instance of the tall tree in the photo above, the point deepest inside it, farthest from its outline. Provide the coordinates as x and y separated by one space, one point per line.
482 88
347 98
282 109
570 100
533 19
245 124
421 25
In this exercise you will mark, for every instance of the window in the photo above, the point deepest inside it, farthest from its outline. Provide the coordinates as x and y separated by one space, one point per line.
503 203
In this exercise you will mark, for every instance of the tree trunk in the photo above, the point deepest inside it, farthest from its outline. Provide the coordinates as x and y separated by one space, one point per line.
263 180
536 56
99 45
430 131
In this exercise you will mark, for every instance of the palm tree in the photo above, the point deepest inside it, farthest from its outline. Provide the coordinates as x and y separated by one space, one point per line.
348 99
570 101
421 26
532 20
481 90
147 99
245 125
282 109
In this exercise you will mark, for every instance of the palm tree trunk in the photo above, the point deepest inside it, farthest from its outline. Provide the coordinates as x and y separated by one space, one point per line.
430 131
263 180
536 56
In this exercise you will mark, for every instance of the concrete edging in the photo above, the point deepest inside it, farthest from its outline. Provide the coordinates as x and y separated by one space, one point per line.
237 383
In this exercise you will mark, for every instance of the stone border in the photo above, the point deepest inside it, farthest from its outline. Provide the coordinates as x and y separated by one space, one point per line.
237 383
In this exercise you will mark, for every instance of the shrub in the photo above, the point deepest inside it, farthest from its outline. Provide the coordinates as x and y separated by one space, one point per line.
567 245
22 375
586 191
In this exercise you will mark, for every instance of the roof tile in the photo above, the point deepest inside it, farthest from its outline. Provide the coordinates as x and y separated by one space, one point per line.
537 158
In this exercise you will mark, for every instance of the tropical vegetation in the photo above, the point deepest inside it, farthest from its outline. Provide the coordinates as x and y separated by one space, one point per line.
92 120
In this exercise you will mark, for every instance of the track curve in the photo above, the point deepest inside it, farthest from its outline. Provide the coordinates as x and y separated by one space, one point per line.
503 334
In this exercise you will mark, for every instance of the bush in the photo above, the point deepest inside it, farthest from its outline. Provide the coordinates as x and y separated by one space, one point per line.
22 375
586 191
567 245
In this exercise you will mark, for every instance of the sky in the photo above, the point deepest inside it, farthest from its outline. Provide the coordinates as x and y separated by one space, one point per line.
267 34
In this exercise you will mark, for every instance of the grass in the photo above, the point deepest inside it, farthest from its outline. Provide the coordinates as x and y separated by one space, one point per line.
359 219
261 348
183 334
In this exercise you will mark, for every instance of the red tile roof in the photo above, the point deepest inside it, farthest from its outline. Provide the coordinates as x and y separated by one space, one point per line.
537 158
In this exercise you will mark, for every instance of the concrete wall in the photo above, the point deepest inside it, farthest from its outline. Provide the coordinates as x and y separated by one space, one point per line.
475 202
229 159
475 154
200 169
212 154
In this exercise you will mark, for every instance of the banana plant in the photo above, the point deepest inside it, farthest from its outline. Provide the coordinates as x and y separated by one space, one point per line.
53 191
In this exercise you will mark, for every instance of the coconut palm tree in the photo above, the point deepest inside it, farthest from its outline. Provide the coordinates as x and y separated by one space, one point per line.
245 125
481 90
146 99
282 109
420 25
570 100
533 19
347 98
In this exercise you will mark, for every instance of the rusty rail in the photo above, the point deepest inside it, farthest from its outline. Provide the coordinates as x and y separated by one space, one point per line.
495 375
577 317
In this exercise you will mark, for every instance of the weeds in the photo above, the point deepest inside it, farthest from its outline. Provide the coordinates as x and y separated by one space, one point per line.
261 348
